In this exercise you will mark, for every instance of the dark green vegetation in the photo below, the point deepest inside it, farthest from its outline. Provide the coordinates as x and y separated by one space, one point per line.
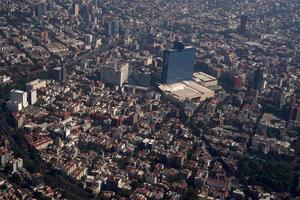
4 92
271 174
33 163
68 188
32 160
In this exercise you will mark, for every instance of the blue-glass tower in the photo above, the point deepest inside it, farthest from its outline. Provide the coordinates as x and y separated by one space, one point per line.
178 64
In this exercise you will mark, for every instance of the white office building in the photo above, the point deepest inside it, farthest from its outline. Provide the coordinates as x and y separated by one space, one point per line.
32 97
19 97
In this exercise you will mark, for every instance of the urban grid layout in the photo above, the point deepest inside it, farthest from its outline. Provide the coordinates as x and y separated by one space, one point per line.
150 99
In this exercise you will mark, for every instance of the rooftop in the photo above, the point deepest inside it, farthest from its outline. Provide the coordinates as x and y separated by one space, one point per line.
204 77
186 90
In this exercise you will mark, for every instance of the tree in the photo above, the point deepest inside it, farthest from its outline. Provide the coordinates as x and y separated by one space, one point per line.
271 174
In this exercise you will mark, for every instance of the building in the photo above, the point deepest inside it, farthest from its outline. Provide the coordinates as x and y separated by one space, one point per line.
39 9
5 79
32 97
112 27
146 40
35 85
88 39
238 81
258 78
178 64
86 15
75 9
295 113
278 97
38 141
64 74
243 23
211 108
4 155
186 91
142 78
17 164
59 73
14 106
19 97
205 79
114 74
56 73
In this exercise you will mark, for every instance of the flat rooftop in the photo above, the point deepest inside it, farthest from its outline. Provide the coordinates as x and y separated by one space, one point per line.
185 48
34 82
17 91
204 77
187 90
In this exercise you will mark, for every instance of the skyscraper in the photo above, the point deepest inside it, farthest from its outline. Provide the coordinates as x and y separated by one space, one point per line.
39 9
86 14
59 73
243 23
258 76
63 74
178 63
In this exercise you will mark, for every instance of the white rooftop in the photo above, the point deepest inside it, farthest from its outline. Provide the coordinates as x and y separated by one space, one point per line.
204 77
17 91
186 90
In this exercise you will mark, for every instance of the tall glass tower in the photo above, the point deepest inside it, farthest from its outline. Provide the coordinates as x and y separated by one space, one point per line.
178 64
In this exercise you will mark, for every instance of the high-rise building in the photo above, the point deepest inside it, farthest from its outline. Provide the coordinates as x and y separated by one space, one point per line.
59 73
75 9
178 64
238 81
39 9
243 23
86 14
56 73
19 97
32 97
278 97
112 27
88 39
64 74
258 78
18 100
115 74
